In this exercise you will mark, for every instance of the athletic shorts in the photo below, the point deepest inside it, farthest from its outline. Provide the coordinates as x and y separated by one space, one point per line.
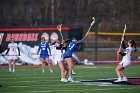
44 56
125 63
12 57
65 55
57 57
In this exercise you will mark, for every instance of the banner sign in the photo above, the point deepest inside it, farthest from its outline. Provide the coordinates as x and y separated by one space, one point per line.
32 36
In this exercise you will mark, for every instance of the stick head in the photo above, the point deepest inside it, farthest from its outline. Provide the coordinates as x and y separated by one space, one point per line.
93 18
124 27
59 27
93 21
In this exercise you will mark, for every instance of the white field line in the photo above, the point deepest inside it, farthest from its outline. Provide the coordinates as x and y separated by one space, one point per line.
72 90
8 78
26 81
94 67
72 84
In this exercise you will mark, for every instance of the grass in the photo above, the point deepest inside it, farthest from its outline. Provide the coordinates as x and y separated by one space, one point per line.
29 79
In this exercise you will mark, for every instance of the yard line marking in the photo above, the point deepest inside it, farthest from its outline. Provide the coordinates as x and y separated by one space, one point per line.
94 67
27 81
72 90
8 78
19 86
45 85
88 67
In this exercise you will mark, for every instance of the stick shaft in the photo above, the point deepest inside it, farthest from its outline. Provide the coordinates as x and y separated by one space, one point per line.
122 37
60 30
89 28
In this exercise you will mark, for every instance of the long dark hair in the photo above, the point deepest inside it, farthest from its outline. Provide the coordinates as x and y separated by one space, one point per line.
133 44
43 38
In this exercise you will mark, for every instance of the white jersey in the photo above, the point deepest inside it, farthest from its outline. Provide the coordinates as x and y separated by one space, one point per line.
56 55
12 50
126 60
52 48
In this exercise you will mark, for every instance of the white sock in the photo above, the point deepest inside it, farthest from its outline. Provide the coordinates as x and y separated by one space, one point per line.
13 70
51 70
70 77
43 70
119 78
10 69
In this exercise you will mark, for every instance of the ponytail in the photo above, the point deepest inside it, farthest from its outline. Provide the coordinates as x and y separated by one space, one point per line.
133 44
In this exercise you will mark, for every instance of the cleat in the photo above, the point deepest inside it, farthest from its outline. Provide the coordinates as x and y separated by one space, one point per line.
118 80
124 79
10 70
70 79
43 71
64 80
73 73
51 71
13 71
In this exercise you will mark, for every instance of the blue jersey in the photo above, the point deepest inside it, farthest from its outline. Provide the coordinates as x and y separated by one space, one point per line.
43 50
70 49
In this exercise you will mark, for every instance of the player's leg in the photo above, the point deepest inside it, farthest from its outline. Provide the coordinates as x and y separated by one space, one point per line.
66 69
62 70
14 65
73 73
118 72
70 67
49 64
10 65
42 64
123 76
125 64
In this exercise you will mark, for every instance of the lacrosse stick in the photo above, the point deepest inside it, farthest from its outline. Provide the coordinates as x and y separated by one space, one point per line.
122 39
90 26
88 29
59 27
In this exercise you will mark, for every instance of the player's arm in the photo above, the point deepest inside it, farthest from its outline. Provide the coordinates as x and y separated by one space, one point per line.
7 51
50 50
0 49
38 50
18 51
123 45
122 54
80 41
59 47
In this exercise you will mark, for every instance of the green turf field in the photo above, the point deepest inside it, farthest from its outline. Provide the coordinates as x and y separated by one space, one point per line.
29 79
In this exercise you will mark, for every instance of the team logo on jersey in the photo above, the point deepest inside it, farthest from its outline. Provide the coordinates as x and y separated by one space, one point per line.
1 37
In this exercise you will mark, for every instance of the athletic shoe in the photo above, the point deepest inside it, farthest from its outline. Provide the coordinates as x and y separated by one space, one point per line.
124 79
51 71
13 70
64 80
43 71
70 79
10 70
73 73
118 80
